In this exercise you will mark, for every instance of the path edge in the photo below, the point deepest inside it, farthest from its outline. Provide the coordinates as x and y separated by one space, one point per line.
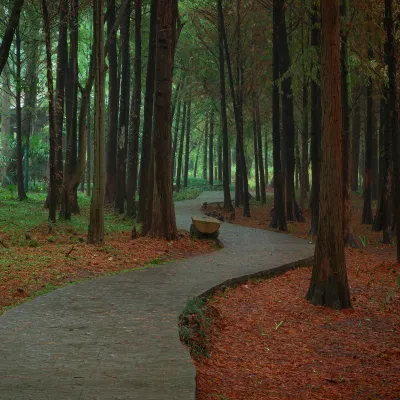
266 274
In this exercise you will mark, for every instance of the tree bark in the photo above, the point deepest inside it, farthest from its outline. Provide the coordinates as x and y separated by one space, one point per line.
393 119
133 144
52 120
278 220
367 217
315 129
89 153
20 170
113 90
260 151
205 150
355 147
164 223
122 141
146 161
9 33
348 235
96 220
255 144
211 150
180 153
304 179
187 150
329 286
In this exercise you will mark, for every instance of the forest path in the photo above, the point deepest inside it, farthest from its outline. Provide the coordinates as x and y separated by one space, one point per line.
116 337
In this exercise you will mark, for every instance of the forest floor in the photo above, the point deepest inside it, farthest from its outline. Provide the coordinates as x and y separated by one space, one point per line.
267 342
36 258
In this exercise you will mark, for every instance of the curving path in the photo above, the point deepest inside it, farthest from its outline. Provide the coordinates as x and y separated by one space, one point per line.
116 337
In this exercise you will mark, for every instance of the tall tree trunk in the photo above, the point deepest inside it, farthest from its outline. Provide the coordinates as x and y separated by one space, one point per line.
348 236
20 170
211 150
5 122
52 120
69 199
255 144
304 179
146 161
62 67
96 220
113 89
175 142
89 153
260 151
187 150
266 149
163 223
393 119
356 133
288 122
375 156
205 149
220 168
329 286
223 117
367 217
180 153
122 141
9 33
196 163
133 143
315 129
278 220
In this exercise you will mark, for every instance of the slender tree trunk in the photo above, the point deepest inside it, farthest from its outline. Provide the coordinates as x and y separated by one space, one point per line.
329 286
133 143
211 150
113 89
5 122
266 149
205 150
367 217
220 168
122 141
146 161
375 156
175 142
304 179
355 147
196 162
20 170
164 223
393 119
260 151
315 130
255 144
346 166
52 120
180 153
89 152
187 150
226 159
96 221
9 33
278 220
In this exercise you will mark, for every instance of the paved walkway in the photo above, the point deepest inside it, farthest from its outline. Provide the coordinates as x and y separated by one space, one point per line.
116 337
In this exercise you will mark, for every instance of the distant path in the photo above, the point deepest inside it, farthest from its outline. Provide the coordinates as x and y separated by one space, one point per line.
116 337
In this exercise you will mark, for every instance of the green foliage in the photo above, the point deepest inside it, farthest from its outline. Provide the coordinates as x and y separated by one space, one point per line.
192 326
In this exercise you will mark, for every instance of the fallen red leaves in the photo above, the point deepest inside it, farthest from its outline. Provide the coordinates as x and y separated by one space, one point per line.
270 343
32 269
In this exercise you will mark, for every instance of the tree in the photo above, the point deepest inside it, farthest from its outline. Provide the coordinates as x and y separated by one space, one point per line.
133 142
329 286
393 120
9 33
163 221
278 220
96 221
187 149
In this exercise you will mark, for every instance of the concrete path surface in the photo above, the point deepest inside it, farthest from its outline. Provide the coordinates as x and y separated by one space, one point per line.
116 337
